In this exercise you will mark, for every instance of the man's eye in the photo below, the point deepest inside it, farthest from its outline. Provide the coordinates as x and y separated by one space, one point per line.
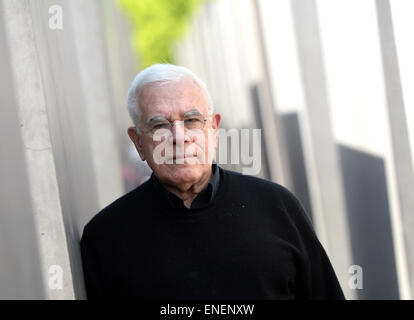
192 120
160 126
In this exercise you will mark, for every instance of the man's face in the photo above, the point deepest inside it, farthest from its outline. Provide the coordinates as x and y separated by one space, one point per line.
182 155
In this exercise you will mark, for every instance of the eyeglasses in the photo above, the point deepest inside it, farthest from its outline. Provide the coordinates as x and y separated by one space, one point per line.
193 122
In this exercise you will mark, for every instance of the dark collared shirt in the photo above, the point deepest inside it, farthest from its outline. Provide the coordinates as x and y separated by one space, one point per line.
200 201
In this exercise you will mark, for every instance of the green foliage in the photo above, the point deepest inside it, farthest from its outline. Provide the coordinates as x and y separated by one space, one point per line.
156 26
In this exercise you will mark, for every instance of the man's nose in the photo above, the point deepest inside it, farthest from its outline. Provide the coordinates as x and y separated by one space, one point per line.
178 132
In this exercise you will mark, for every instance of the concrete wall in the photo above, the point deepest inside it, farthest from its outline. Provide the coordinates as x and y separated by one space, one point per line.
61 159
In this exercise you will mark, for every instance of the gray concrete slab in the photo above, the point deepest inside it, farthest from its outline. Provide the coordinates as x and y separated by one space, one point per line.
401 149
322 161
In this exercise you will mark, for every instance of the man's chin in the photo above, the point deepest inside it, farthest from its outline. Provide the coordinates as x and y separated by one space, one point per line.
184 170
180 173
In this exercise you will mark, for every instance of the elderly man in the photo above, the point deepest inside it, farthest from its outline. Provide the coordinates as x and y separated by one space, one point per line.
195 230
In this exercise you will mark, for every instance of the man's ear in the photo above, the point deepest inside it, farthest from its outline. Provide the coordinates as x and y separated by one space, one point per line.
215 124
136 139
215 120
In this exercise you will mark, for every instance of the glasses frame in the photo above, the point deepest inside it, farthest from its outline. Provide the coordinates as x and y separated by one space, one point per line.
172 124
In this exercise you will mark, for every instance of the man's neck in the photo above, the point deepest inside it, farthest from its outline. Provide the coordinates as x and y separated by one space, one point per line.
188 191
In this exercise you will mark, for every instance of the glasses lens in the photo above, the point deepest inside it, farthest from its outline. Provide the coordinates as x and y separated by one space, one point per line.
194 123
160 126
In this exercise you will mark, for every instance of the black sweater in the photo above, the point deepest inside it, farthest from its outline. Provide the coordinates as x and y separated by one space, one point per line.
252 241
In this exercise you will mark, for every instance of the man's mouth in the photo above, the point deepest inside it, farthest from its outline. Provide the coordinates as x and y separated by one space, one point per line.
183 157
179 158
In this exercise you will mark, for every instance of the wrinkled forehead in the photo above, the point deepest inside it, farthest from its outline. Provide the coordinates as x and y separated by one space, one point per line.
172 98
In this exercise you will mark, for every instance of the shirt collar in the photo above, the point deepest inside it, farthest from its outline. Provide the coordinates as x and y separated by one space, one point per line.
201 200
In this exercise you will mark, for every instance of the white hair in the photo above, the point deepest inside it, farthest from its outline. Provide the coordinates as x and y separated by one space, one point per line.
159 74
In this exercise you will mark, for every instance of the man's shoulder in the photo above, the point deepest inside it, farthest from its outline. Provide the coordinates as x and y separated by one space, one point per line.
255 183
118 210
270 193
262 190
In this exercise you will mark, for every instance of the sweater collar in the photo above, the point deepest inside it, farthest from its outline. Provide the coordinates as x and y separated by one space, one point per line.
200 201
